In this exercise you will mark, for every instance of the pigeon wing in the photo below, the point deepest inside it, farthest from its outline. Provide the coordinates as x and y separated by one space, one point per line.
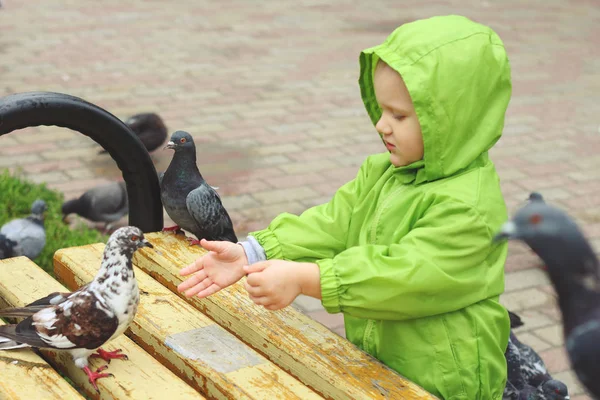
205 207
78 322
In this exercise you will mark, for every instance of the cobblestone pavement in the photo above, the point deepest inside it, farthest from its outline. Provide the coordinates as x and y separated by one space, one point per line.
269 92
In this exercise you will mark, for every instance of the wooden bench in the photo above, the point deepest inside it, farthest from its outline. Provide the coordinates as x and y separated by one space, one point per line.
222 347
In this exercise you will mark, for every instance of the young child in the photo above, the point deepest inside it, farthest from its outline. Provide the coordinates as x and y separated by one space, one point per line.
404 249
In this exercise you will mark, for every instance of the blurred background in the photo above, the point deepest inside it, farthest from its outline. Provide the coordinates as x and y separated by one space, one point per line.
269 92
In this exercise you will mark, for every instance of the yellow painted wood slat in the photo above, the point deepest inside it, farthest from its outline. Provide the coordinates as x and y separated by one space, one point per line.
25 375
192 345
321 359
140 377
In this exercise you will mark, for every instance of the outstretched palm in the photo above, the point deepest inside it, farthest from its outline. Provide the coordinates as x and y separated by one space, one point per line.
219 268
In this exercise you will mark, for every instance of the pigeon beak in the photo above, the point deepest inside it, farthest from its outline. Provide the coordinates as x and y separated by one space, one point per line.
170 145
508 231
146 243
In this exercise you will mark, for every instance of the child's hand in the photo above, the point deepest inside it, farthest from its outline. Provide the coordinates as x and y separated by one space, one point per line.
219 268
275 284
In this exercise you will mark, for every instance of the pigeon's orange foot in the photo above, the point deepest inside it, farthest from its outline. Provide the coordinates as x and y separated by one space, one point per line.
110 355
193 241
176 229
94 376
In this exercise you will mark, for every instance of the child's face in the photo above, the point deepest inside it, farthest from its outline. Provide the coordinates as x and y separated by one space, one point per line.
398 124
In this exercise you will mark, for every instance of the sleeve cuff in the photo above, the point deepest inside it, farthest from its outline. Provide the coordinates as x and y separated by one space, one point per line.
254 251
269 242
330 286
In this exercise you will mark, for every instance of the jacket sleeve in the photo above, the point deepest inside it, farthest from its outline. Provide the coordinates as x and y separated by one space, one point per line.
445 263
319 232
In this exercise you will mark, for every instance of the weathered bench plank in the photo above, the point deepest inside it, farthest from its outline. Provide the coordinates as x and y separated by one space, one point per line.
25 375
193 346
140 377
308 350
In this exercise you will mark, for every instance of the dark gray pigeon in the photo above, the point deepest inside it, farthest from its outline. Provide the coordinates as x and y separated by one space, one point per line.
149 128
538 387
83 321
106 203
28 233
532 378
574 273
6 247
192 203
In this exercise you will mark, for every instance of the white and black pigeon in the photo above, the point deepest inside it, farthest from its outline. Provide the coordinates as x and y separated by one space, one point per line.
83 321
7 247
149 128
28 233
192 203
105 203
537 387
573 269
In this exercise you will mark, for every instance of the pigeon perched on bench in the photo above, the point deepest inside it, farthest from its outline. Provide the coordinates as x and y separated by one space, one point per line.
192 203
83 321
149 128
574 272
105 203
28 233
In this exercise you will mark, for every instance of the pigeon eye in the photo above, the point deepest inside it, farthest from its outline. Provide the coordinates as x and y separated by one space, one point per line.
134 238
182 140
535 219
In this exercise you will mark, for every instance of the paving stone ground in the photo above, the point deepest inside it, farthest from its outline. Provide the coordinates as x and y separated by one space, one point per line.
269 92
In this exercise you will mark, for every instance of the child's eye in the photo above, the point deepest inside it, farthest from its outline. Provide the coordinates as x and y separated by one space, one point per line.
399 117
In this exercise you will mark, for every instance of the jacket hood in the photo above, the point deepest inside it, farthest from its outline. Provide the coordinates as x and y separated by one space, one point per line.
458 75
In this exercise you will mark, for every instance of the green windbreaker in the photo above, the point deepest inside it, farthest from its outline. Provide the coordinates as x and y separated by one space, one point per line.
405 252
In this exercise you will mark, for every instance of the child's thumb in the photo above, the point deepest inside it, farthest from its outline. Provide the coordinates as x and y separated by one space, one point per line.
216 246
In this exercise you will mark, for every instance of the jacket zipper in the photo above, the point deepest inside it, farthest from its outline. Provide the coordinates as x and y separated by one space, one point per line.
371 322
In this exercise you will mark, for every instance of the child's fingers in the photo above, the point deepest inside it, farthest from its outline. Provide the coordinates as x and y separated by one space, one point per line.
192 281
193 267
256 267
255 291
273 307
194 290
254 279
259 300
216 246
212 289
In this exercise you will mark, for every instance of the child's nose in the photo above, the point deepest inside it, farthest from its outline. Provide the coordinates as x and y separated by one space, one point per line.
382 127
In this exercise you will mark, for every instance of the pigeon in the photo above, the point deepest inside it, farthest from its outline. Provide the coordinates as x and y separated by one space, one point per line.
573 269
538 387
106 203
82 321
6 247
28 233
531 378
192 203
149 128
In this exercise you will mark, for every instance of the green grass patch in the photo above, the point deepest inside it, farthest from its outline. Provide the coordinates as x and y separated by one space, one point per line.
16 196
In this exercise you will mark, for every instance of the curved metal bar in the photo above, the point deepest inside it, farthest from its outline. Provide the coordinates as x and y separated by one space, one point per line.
24 110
